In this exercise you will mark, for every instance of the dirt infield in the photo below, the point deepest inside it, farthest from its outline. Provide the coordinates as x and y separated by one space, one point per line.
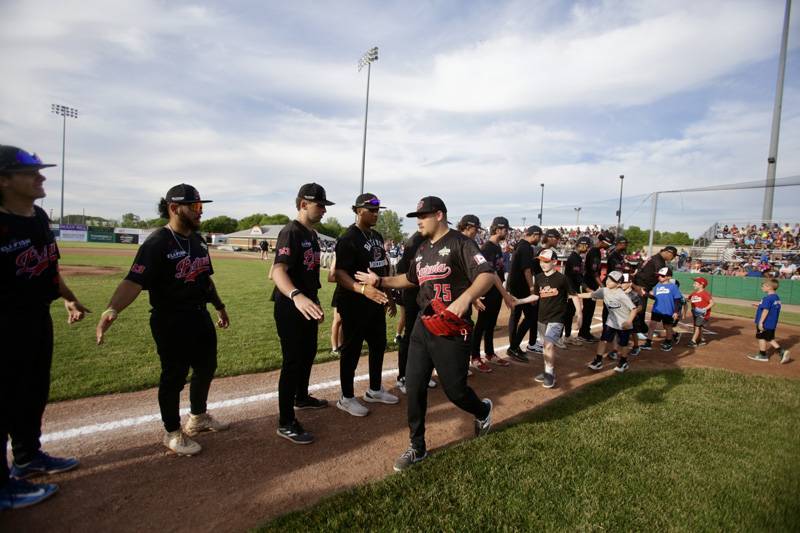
122 252
246 475
86 270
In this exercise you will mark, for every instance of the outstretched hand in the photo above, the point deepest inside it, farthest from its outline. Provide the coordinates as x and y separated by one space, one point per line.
75 311
368 278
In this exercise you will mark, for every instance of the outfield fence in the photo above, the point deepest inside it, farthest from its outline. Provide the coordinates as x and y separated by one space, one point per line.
742 288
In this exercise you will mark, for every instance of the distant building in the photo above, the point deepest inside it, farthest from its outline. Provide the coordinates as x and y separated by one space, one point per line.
249 239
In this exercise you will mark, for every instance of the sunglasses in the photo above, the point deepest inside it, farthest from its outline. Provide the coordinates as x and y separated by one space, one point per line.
24 158
372 201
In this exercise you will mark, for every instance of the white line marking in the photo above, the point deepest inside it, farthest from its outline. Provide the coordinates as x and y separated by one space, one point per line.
103 427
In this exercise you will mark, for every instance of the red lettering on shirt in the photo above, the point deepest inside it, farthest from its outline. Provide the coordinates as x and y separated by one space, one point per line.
188 269
33 261
431 272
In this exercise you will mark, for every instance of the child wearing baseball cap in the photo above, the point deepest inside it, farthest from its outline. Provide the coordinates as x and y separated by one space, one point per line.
701 302
668 302
767 314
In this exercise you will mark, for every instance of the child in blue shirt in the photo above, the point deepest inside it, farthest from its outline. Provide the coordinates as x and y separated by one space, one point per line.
665 310
767 314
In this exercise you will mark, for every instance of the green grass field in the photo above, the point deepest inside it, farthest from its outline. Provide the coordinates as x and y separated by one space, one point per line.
680 450
127 360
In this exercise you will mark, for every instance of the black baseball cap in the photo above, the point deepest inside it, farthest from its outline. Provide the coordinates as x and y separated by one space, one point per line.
368 200
313 192
552 233
13 159
606 237
533 230
584 240
429 204
470 220
184 194
622 240
670 249
500 222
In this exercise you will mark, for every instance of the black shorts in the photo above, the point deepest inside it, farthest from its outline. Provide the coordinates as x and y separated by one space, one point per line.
640 324
667 320
622 335
765 335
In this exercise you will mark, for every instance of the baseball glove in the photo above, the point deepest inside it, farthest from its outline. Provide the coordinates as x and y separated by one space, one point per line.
444 323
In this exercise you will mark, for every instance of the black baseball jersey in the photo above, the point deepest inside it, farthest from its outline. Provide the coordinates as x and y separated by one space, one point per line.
591 267
28 260
174 269
553 291
647 275
537 266
521 260
494 256
616 261
445 269
409 252
357 251
573 270
298 248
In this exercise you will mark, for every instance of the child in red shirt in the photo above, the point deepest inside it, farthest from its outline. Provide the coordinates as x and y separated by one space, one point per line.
701 302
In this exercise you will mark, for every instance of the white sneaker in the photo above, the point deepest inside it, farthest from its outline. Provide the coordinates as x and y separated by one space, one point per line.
203 422
785 357
401 384
535 348
178 442
561 344
352 406
380 396
642 336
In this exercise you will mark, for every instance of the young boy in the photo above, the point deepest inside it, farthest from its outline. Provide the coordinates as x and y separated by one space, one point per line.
667 298
767 321
639 324
701 302
619 324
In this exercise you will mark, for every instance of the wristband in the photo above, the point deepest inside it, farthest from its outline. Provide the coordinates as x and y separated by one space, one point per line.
294 293
363 288
109 312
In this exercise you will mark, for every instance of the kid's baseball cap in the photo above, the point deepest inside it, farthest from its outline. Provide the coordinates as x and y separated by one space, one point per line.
184 194
547 255
616 276
313 192
13 159
666 271
429 204
701 281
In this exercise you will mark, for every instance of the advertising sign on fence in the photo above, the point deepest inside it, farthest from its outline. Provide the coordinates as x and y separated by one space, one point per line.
100 234
72 232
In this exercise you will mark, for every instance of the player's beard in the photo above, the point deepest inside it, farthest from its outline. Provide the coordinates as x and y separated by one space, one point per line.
189 222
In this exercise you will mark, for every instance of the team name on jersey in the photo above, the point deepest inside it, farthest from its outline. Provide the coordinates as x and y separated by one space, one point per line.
548 292
430 272
34 261
175 254
188 269
373 243
15 245
662 290
311 259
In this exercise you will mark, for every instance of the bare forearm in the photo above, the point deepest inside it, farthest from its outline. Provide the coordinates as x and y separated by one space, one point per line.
213 296
480 286
126 293
346 282
282 280
395 282
65 291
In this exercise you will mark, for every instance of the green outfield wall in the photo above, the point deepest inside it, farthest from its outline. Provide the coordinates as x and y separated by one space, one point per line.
742 288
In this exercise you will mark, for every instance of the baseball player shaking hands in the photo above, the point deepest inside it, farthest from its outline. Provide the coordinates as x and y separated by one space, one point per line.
173 265
451 273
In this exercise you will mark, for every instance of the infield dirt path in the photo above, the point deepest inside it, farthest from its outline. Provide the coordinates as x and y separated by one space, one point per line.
128 482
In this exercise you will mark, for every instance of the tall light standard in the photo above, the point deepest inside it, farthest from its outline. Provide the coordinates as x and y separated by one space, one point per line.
64 112
523 222
367 59
541 204
577 216
619 211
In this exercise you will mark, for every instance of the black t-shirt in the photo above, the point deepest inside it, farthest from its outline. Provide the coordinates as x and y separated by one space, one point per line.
298 248
591 268
28 260
647 275
616 261
521 260
357 251
409 252
573 270
553 291
445 269
174 269
494 256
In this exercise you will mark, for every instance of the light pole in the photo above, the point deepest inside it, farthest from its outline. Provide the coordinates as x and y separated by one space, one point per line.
367 59
619 211
577 216
64 112
541 204
523 222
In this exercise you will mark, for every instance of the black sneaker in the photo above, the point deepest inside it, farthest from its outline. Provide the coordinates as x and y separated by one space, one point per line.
295 433
409 458
635 351
549 381
517 355
613 355
676 338
622 367
482 426
666 346
596 364
588 338
648 345
310 403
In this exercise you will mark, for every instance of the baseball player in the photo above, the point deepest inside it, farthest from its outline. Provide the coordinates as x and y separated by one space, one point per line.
297 309
487 317
646 276
450 271
173 265
363 308
520 285
573 270
30 281
592 281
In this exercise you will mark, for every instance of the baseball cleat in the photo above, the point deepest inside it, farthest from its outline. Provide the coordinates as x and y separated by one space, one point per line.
635 351
178 442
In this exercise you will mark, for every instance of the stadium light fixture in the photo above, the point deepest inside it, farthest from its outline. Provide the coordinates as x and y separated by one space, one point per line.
369 57
577 216
541 204
64 112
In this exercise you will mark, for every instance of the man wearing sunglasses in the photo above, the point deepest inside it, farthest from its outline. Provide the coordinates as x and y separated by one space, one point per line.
362 307
30 282
173 265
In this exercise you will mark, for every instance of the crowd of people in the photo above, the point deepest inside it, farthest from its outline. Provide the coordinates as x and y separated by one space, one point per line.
764 236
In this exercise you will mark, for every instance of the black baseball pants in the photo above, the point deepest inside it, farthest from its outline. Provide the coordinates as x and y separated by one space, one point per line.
185 339
569 314
299 348
517 329
361 322
450 357
412 311
588 314
484 326
24 381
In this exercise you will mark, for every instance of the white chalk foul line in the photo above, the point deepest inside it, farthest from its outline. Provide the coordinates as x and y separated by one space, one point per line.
104 427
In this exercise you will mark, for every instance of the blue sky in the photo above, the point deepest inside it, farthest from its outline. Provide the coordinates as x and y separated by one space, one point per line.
477 102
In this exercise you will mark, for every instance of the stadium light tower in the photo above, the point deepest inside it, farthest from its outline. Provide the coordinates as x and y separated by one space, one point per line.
64 112
772 158
619 211
541 204
577 216
367 59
